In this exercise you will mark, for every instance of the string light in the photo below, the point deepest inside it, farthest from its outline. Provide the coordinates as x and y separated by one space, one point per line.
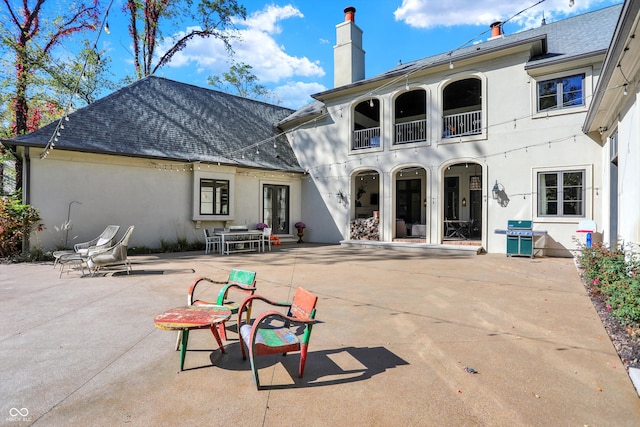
75 92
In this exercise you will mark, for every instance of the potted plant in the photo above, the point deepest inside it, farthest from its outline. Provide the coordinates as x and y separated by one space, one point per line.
300 226
261 226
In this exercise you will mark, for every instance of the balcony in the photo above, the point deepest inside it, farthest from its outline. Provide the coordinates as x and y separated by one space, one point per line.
463 124
366 138
414 131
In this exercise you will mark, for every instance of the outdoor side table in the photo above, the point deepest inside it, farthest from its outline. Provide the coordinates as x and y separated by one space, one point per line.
193 317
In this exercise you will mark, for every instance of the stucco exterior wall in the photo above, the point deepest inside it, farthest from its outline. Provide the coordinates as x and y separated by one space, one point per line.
516 144
92 191
629 172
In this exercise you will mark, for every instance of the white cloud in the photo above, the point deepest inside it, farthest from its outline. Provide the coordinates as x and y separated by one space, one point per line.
432 13
256 46
266 20
297 94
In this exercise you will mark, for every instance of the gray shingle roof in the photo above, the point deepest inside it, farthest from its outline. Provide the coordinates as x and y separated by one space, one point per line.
163 119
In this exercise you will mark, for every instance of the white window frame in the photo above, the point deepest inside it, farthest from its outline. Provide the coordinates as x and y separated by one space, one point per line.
541 199
587 91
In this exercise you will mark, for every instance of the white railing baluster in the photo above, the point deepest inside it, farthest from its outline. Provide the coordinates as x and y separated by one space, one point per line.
366 138
411 131
462 124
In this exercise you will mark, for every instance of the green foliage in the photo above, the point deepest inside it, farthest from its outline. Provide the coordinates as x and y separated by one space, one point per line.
614 274
241 81
17 220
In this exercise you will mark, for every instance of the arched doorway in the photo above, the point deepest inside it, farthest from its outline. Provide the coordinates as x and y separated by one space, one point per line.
462 197
410 203
366 193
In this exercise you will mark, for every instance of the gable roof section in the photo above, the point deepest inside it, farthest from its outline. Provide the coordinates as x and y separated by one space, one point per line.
163 119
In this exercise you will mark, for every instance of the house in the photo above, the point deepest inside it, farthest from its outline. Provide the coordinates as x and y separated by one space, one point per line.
444 150
454 146
613 121
167 157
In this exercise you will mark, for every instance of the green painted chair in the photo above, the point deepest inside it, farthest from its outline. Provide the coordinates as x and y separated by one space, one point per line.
239 281
273 332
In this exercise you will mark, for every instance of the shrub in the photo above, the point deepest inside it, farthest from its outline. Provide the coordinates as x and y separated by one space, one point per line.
17 220
614 274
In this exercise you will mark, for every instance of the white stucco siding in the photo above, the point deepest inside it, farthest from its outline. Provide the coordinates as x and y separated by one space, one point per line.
110 190
516 143
629 173
158 198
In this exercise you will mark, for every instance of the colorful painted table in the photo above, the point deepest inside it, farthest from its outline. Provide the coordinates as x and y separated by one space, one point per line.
193 317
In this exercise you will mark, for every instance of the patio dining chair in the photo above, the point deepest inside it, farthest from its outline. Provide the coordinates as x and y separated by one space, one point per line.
211 241
265 238
239 281
273 332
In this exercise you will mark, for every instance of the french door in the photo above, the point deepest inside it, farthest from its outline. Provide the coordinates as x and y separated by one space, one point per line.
275 211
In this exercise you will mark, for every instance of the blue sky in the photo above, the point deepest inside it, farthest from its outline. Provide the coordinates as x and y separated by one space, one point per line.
289 44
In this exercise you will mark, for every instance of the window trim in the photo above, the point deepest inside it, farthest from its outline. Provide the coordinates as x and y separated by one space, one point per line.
215 184
587 197
560 187
587 91
221 174
560 93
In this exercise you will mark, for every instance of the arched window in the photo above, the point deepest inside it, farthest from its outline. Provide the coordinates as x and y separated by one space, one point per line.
411 117
462 108
366 125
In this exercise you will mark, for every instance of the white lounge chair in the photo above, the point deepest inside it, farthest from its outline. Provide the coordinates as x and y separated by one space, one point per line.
112 256
104 240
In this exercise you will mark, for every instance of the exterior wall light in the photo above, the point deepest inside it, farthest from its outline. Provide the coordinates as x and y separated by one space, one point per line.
495 191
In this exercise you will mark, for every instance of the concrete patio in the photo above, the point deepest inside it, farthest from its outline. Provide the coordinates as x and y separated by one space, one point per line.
396 330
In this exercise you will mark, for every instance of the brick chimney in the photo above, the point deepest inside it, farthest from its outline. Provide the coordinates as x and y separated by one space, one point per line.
496 30
348 56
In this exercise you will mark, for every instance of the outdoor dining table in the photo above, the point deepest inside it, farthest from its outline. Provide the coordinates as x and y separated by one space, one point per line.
248 237
193 317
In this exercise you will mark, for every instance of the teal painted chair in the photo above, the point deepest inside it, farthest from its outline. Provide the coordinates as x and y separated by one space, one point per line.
273 332
239 282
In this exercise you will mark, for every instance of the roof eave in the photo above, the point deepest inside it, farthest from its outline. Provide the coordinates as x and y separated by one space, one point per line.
626 22
443 62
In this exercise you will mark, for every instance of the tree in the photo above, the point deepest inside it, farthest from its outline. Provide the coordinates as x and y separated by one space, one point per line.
215 17
241 78
30 33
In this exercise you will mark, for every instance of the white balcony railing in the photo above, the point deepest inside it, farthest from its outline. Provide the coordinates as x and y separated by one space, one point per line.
462 124
411 132
366 138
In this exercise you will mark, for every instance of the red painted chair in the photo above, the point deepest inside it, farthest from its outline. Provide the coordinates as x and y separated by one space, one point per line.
239 281
273 332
